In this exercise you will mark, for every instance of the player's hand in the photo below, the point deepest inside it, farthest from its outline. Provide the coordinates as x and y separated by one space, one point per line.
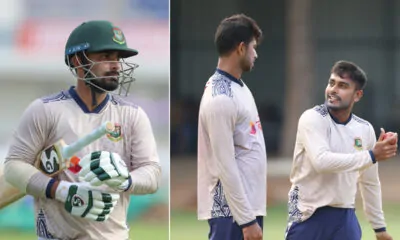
383 236
252 232
105 167
86 203
385 147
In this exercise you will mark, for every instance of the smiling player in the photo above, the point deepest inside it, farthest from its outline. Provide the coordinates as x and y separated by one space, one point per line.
335 150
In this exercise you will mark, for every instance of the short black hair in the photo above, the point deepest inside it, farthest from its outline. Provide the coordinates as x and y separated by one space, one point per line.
236 29
351 70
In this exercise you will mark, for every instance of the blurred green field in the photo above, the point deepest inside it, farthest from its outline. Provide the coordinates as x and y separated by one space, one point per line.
185 226
139 230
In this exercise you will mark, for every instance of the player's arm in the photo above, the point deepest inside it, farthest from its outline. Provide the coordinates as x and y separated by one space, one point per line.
29 138
370 188
28 141
313 132
144 163
220 118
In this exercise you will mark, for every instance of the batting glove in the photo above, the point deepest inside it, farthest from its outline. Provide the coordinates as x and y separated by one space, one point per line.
83 202
105 167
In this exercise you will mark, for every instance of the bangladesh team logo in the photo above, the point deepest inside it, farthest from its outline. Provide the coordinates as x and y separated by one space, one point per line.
118 36
358 144
115 135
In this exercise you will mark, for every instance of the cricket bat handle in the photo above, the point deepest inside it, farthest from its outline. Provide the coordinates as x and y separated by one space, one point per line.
70 150
57 157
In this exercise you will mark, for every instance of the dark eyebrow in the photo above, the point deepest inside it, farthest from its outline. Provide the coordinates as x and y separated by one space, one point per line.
345 83
342 82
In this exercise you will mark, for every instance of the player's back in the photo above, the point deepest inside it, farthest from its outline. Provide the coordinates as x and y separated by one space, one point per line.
313 187
68 119
227 94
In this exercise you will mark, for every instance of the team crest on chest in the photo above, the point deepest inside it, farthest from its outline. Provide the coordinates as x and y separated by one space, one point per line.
115 135
358 143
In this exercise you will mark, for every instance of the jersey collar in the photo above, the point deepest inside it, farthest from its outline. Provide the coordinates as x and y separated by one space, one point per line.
82 105
230 77
337 121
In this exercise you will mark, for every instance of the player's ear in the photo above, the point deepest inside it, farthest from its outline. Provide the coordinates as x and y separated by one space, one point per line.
359 95
78 59
74 60
241 48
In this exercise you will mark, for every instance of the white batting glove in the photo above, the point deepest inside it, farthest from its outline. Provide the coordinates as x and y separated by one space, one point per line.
105 167
86 203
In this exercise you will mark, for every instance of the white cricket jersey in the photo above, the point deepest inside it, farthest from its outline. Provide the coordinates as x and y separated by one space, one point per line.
232 160
64 116
330 159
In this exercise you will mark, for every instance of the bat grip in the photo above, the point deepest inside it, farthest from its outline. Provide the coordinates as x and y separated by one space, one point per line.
70 150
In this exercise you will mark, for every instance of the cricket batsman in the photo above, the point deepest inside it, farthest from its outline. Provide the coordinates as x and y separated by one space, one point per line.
89 201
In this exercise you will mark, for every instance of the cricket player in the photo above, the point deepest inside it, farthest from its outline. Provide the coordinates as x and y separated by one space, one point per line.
232 161
73 205
335 150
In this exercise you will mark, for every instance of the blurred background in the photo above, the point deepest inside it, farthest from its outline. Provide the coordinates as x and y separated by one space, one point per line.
302 41
32 39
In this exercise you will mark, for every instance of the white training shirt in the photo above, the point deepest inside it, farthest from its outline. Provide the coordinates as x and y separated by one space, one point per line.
64 116
232 161
330 159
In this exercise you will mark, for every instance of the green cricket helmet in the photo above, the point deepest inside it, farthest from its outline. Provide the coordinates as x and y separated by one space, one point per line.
99 36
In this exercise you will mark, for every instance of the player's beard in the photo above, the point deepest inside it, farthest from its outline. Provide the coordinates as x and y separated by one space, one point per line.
246 65
108 82
339 104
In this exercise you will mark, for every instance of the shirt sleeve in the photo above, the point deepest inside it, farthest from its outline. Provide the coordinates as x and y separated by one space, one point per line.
144 162
370 188
220 118
30 136
27 141
313 132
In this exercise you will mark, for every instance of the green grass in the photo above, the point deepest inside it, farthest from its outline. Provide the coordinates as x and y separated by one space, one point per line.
184 225
139 230
145 230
